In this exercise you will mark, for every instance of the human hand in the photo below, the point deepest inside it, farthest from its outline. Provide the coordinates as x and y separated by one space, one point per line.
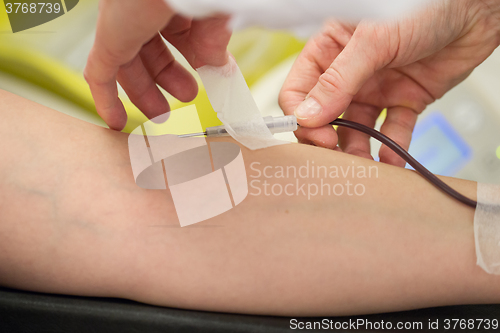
402 65
129 49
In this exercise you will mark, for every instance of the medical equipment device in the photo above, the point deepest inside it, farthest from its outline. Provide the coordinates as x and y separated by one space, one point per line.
289 123
275 125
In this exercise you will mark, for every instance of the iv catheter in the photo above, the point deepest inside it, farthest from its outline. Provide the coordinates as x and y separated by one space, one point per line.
289 124
275 124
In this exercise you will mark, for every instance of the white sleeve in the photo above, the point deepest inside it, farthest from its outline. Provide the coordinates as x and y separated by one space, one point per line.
291 14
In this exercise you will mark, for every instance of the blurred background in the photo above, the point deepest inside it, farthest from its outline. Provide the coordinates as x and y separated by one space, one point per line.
458 135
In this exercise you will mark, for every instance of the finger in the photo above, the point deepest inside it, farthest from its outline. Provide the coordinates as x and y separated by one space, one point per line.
354 142
317 55
105 94
178 26
122 29
398 126
201 42
314 59
321 136
370 48
141 89
166 71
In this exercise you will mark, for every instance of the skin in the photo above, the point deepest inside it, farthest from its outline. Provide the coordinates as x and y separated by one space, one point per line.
129 49
403 65
74 222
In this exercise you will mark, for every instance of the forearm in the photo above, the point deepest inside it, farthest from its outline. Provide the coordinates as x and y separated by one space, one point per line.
73 221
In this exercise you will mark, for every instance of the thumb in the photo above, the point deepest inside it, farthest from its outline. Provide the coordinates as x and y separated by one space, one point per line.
368 50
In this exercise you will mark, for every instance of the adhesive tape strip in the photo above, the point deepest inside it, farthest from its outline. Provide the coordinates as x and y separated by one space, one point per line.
487 227
231 99
205 179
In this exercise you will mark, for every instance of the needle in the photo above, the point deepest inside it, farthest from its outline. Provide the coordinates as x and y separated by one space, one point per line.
275 125
191 134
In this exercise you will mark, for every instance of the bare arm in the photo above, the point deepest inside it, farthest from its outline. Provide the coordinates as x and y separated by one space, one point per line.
73 221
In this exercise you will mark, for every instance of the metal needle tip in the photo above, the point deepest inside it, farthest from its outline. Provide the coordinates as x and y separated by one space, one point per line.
191 134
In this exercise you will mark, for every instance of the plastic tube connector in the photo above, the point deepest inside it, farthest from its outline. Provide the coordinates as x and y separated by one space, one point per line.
275 124
281 124
216 131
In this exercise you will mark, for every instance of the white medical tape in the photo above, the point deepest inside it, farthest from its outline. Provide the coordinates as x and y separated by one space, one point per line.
487 227
231 99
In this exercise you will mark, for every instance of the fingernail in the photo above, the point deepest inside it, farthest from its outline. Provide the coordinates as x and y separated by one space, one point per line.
308 109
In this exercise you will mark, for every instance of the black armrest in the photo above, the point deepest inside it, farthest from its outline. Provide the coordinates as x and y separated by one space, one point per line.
22 311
